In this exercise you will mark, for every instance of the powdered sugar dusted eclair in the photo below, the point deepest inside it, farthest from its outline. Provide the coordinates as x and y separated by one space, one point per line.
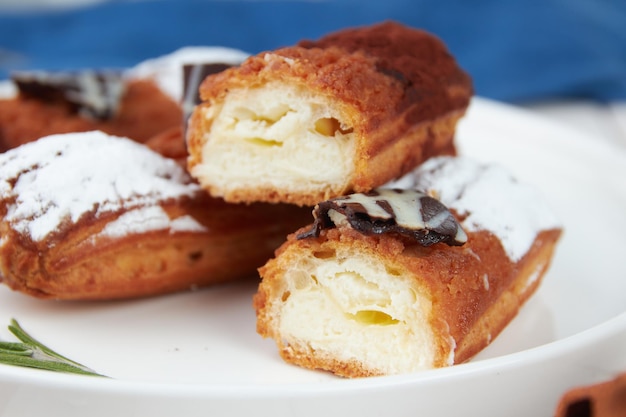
398 281
345 113
92 216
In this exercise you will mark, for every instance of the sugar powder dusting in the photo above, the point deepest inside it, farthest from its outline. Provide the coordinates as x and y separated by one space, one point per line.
488 197
60 178
145 219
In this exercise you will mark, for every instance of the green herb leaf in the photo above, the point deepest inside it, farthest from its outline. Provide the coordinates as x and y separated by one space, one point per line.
31 353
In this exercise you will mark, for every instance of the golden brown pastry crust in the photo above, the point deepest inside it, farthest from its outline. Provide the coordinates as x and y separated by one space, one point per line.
144 112
171 144
452 277
399 89
79 264
603 399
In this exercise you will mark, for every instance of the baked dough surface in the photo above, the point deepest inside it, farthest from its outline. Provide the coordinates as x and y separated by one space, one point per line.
144 112
323 118
360 303
87 216
381 306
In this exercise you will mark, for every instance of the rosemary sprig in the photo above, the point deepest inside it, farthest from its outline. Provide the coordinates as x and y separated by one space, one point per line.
33 354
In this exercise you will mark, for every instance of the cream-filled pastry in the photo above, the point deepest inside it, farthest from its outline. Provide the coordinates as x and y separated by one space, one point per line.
398 281
92 216
345 113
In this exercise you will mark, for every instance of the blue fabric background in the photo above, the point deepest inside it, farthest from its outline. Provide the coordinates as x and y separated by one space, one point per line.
516 50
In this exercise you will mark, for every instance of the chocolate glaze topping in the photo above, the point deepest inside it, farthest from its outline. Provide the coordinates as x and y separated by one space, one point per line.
408 213
94 94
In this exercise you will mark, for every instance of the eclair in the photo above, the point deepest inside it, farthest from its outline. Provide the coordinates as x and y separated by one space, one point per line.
66 102
148 103
397 281
89 216
346 113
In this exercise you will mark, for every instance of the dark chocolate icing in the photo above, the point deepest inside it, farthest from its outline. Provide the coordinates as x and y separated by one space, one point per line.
193 75
94 94
409 213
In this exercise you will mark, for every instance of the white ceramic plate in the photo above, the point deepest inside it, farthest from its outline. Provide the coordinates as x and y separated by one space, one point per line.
197 354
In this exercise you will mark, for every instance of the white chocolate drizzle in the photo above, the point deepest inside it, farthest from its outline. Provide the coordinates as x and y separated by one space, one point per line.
409 213
95 94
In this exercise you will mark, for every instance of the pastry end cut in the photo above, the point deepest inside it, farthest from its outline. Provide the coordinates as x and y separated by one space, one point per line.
334 308
275 143
395 281
361 306
321 119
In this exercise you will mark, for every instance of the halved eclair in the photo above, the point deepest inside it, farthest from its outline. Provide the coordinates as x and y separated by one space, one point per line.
398 281
345 113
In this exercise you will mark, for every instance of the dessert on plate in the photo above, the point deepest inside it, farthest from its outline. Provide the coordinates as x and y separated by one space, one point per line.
87 216
145 103
320 119
400 280
54 103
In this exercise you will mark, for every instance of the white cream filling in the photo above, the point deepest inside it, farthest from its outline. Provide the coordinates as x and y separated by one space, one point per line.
277 136
354 309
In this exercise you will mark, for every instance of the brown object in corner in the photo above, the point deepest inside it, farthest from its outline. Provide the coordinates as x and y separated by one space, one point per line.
605 399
